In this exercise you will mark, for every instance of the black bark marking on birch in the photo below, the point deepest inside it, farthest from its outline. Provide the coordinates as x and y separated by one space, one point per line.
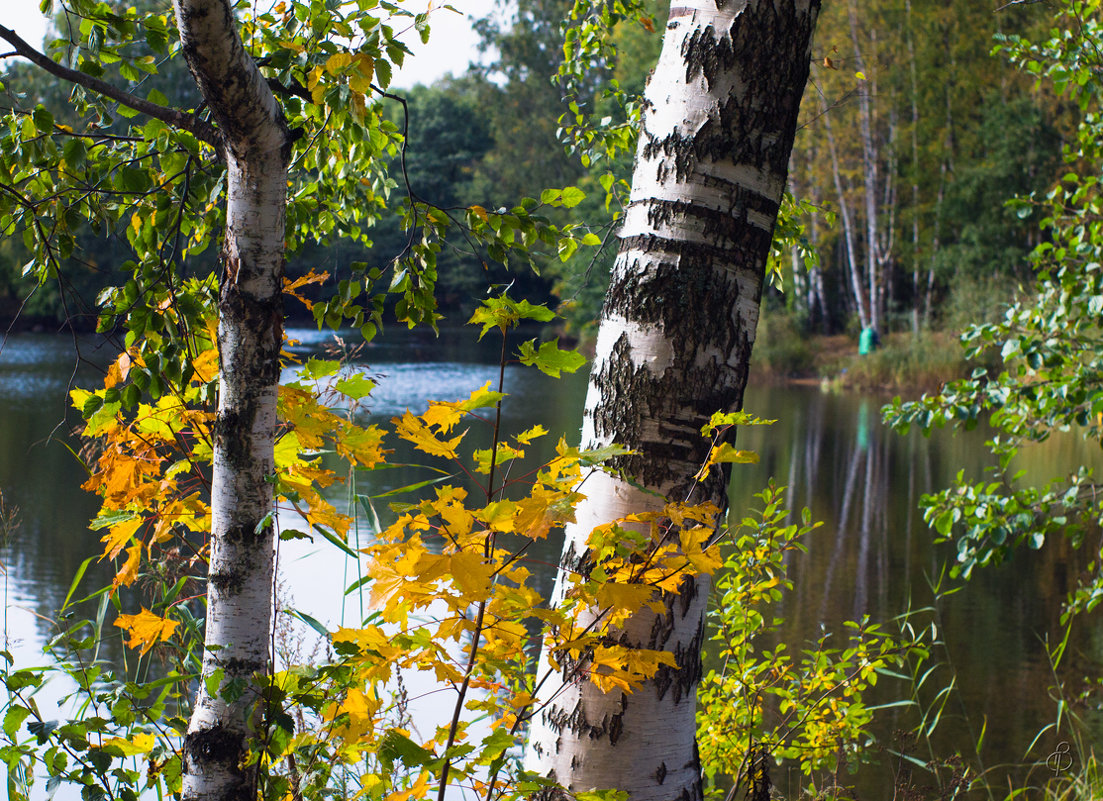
688 669
675 149
693 300
707 55
716 225
617 414
222 747
215 744
616 728
660 773
687 594
242 667
229 582
576 563
688 673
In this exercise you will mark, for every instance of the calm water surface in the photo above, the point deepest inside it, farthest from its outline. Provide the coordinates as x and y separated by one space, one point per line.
873 555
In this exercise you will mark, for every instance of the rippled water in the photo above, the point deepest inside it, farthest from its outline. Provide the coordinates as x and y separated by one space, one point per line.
872 555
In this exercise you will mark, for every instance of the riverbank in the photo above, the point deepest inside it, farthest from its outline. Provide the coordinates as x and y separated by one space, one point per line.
904 363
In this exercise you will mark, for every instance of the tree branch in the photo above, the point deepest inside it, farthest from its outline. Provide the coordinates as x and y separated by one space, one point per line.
174 117
296 89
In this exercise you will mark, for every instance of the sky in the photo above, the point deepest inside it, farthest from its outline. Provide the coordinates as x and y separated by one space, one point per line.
450 49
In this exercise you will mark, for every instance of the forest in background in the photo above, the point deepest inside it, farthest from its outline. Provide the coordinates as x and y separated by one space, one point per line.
839 277
914 138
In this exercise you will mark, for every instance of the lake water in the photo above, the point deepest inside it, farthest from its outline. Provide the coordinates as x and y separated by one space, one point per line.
873 554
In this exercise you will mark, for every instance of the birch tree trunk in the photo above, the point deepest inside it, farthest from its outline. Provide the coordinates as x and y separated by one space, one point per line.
674 346
255 145
854 268
870 173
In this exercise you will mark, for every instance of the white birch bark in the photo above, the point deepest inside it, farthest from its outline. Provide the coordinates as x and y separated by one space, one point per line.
854 269
870 173
255 141
674 346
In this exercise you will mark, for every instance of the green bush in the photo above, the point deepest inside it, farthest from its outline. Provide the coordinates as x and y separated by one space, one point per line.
976 301
781 346
928 360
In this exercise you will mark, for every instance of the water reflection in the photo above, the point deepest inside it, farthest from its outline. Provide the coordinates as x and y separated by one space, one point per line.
873 555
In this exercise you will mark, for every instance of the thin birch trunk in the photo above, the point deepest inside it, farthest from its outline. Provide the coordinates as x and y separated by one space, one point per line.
910 37
673 347
870 169
255 143
854 269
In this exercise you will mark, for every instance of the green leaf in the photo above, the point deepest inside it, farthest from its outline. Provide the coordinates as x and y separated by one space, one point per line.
569 197
108 519
13 719
92 405
397 746
76 580
504 313
132 179
411 487
356 387
294 534
572 196
320 368
43 119
549 358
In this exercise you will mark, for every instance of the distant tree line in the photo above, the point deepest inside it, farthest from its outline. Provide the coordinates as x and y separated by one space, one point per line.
913 139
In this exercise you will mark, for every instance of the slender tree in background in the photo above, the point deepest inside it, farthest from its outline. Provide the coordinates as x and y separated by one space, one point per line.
673 348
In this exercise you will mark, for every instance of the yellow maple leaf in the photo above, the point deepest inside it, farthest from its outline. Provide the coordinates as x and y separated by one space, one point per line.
498 515
360 708
418 790
371 639
443 416
128 573
725 452
457 519
362 446
145 629
525 437
206 365
625 599
292 287
472 575
618 667
702 560
118 536
414 429
191 513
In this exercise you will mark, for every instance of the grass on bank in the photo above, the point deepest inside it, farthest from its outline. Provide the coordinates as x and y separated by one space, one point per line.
903 362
